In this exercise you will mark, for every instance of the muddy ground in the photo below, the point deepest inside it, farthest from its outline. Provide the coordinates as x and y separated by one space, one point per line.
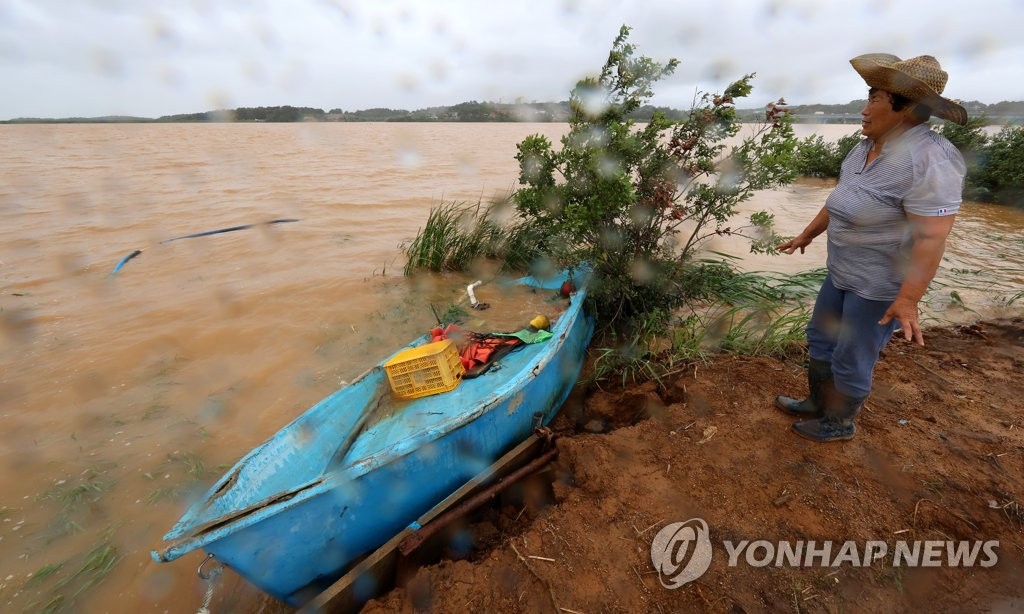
939 455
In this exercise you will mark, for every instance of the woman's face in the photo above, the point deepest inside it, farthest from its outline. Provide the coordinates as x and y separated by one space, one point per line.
878 118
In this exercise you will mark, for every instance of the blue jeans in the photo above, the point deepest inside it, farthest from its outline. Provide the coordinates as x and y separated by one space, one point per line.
844 330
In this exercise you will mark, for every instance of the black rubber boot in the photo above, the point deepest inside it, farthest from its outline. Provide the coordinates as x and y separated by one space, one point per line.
836 424
819 377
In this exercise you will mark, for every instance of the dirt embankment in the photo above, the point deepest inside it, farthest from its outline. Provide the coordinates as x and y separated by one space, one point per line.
939 456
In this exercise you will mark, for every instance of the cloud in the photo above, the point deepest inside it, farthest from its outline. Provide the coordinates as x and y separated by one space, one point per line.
153 58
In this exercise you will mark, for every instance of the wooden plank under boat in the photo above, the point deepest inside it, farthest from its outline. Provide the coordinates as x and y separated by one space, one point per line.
375 574
298 510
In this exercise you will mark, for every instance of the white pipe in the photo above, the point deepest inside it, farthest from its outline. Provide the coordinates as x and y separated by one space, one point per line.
469 291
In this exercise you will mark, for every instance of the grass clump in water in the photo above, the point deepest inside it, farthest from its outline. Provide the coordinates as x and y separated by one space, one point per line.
76 499
161 494
182 471
90 569
194 466
45 572
458 234
87 488
98 563
154 411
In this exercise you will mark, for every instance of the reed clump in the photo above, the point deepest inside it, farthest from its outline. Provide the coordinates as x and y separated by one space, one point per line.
750 313
458 234
59 585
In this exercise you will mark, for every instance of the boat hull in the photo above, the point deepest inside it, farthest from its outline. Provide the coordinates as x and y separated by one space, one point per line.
295 544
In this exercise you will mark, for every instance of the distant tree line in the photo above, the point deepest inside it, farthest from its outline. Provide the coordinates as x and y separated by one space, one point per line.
471 111
1007 112
251 114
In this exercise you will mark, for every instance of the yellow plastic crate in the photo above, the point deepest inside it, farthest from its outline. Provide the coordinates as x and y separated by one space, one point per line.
425 370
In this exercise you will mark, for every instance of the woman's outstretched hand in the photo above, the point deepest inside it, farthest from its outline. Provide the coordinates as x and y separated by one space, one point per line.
793 244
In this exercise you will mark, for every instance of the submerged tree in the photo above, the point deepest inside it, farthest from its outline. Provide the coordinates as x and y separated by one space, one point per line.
816 157
635 202
1000 176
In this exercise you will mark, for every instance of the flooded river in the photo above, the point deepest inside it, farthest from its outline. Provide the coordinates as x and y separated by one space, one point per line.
123 396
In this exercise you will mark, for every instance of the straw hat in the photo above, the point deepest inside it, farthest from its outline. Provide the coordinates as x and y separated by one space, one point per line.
920 79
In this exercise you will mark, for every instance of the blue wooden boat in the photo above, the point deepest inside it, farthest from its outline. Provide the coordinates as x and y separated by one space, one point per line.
331 486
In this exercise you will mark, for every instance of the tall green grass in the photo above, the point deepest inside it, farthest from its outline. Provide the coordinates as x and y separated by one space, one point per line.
457 234
750 313
755 313
72 577
742 329
449 238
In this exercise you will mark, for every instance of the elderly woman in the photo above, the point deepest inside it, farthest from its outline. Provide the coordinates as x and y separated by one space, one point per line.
887 220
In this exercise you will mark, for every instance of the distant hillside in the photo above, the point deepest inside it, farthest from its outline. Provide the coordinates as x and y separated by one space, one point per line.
473 111
283 114
107 119
998 113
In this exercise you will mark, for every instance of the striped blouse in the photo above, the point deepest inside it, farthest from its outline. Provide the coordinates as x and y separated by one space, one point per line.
869 241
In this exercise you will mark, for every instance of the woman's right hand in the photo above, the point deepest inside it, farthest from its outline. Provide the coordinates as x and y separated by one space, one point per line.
817 226
797 242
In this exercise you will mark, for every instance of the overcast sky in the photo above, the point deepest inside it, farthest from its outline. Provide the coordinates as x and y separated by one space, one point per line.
61 58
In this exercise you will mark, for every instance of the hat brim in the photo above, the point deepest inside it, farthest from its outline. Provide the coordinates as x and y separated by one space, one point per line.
877 73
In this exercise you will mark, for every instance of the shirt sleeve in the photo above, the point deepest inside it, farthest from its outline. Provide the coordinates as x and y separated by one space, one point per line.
938 185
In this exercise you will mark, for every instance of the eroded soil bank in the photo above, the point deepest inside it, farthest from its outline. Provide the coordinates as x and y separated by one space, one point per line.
939 456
